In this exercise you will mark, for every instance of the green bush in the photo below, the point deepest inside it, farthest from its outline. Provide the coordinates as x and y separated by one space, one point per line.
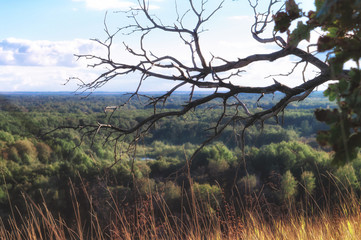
44 152
308 181
207 193
346 177
145 186
6 137
288 186
247 183
284 156
172 194
216 157
12 154
26 147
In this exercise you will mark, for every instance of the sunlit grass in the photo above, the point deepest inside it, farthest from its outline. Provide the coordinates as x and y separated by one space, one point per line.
197 221
298 227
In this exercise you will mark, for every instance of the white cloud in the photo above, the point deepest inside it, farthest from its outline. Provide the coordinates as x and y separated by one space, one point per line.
24 78
27 65
53 78
22 52
107 4
45 65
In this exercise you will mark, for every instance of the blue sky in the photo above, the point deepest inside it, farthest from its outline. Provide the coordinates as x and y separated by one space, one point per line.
49 20
39 37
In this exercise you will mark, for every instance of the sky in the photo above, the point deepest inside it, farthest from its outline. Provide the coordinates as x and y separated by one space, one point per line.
38 40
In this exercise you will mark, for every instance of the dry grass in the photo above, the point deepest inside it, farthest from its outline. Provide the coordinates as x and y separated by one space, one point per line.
199 221
298 227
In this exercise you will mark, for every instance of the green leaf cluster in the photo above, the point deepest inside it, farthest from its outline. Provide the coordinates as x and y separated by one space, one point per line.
340 21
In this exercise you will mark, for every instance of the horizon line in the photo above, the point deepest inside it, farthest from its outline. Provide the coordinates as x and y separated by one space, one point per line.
114 92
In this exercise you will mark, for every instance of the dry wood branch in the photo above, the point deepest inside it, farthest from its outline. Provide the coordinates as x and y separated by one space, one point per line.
196 71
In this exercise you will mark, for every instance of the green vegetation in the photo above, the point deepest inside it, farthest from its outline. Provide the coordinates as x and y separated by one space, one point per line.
88 179
340 23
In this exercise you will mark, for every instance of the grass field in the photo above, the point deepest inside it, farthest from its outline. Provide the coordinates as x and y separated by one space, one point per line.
197 221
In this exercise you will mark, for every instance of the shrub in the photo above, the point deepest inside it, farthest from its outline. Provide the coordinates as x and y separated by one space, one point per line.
248 183
6 137
288 186
26 150
308 181
145 186
207 193
44 152
347 176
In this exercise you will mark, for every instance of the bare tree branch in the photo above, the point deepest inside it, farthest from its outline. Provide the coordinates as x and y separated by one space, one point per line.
196 72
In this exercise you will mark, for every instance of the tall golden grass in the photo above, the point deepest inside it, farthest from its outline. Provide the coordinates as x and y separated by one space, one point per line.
196 220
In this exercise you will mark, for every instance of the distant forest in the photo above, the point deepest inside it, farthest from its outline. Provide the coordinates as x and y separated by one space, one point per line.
284 162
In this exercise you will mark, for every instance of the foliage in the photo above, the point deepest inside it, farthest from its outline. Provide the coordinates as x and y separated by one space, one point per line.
277 160
346 176
248 183
172 191
140 221
284 156
340 21
216 155
207 193
308 181
288 186
43 167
